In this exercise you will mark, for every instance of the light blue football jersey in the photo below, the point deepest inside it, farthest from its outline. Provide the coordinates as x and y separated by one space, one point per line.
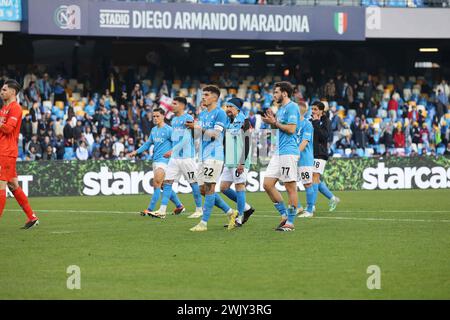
182 140
212 148
306 132
287 144
161 139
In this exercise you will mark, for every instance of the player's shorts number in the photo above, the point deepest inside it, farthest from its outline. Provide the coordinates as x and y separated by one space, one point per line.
317 164
285 170
211 171
237 174
190 175
305 175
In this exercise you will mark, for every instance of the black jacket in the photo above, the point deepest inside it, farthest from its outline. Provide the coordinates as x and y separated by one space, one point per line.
321 133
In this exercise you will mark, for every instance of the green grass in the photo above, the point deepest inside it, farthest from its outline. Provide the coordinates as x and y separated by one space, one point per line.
125 256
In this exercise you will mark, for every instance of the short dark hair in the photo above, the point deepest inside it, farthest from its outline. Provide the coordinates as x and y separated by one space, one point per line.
160 110
13 84
319 105
213 89
285 86
180 100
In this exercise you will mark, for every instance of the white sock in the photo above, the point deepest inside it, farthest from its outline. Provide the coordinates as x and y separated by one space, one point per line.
240 219
230 211
199 209
203 222
247 207
162 209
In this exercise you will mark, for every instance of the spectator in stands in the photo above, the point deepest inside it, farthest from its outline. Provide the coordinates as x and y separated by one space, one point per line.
82 151
425 135
45 88
60 145
447 150
34 143
60 90
58 127
89 109
27 128
416 137
147 124
399 138
68 134
32 94
33 155
49 154
112 85
117 148
393 108
347 95
330 90
413 114
137 93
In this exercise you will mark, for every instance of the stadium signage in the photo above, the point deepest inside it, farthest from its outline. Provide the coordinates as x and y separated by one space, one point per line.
187 20
10 10
392 178
109 177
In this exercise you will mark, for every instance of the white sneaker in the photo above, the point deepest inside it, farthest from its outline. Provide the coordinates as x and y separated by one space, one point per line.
333 203
306 214
195 215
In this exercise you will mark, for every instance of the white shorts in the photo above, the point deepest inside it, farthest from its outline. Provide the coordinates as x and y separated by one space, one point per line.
209 171
229 175
157 165
319 166
305 175
185 167
283 168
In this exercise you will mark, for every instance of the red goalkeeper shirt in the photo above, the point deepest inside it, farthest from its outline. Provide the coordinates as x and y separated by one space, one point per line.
10 121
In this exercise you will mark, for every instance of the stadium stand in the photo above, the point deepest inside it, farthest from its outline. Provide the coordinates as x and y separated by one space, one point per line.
371 115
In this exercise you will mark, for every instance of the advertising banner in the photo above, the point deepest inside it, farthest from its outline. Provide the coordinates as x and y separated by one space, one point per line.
201 21
10 10
91 178
408 23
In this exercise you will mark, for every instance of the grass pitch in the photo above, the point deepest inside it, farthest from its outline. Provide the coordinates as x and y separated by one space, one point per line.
122 255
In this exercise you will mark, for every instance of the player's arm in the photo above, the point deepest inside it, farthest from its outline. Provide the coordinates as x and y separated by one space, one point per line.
13 119
303 145
219 126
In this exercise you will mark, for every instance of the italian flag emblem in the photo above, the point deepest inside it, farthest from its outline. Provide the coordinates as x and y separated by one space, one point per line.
340 22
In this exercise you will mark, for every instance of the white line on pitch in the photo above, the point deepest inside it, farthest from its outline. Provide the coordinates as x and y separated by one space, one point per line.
262 216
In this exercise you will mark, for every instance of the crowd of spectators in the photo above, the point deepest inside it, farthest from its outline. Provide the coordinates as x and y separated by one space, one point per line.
370 114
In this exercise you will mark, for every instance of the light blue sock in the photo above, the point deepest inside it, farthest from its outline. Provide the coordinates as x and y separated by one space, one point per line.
209 204
220 203
167 192
291 214
281 208
231 194
175 200
197 195
316 192
310 198
154 199
325 191
240 202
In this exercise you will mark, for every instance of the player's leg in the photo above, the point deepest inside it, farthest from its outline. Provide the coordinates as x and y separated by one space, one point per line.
288 166
273 173
189 170
333 200
172 173
300 208
307 181
227 179
158 178
2 196
202 190
22 200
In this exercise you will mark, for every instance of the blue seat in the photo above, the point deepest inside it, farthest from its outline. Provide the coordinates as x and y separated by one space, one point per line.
440 151
360 152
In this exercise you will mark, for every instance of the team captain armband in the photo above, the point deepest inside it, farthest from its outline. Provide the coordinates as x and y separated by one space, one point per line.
218 128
